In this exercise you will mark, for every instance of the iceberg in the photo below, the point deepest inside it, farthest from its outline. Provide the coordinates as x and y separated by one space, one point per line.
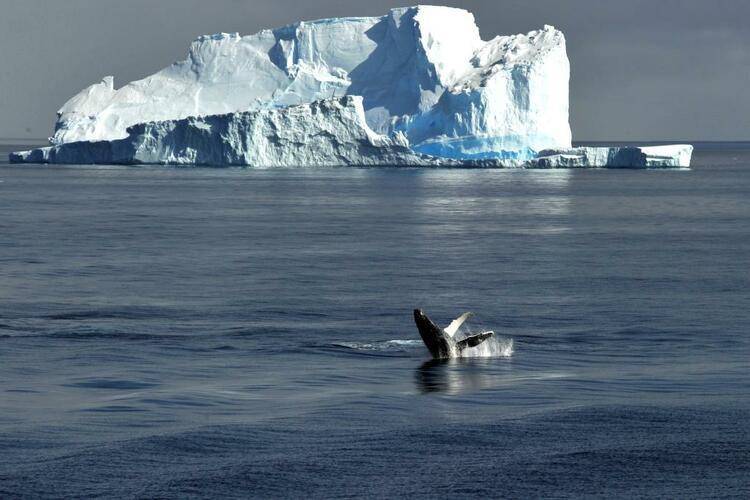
417 86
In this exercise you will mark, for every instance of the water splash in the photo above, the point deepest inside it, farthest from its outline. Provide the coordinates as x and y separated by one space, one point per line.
493 347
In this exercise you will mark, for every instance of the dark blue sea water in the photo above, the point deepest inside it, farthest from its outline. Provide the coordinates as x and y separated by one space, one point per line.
239 333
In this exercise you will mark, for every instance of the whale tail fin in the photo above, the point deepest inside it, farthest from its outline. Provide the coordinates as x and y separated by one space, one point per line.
474 340
456 324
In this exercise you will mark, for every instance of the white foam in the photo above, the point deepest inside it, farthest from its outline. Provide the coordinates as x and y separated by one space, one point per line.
493 347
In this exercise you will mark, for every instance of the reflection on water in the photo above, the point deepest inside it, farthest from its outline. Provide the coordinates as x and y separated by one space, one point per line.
455 376
470 198
465 375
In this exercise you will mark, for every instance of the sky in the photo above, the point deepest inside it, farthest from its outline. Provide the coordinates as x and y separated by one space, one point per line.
640 69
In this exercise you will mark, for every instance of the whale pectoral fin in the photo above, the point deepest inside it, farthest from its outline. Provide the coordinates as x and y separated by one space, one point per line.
474 340
456 324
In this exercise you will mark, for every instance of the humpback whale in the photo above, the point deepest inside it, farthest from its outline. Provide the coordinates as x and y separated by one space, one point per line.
440 341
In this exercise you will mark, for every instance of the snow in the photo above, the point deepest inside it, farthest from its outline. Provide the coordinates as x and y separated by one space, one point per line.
424 88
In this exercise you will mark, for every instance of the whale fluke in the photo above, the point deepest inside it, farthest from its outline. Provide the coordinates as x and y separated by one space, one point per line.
440 341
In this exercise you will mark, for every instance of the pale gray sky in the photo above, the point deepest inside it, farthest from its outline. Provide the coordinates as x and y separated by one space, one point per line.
641 69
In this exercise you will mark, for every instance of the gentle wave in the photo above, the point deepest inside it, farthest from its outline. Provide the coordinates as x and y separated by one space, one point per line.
388 345
113 313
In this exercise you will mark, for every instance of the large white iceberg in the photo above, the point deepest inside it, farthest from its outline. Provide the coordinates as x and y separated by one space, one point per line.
428 90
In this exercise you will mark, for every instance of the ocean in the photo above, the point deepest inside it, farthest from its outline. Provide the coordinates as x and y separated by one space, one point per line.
193 332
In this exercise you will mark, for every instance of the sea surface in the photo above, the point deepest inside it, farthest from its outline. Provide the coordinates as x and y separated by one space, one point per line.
191 332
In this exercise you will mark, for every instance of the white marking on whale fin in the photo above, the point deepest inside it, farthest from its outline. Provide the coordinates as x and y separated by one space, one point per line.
456 324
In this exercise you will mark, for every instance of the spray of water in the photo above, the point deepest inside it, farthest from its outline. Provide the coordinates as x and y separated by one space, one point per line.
493 347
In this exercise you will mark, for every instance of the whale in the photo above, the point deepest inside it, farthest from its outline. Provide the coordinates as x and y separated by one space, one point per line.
441 342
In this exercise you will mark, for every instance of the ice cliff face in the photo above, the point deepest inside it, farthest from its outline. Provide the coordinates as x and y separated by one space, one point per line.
421 71
671 156
324 133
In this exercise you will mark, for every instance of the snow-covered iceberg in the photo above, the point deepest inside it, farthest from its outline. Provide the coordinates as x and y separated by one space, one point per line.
421 88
